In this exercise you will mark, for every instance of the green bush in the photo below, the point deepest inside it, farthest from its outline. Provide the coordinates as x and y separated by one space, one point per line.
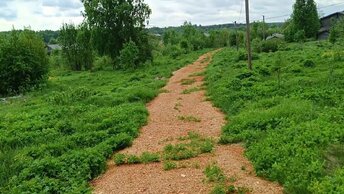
103 63
271 45
23 62
287 115
129 56
309 64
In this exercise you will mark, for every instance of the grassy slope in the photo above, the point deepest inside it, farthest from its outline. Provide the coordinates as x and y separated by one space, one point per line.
293 127
57 139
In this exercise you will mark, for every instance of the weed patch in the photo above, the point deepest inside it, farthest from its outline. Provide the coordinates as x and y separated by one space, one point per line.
189 119
191 90
286 113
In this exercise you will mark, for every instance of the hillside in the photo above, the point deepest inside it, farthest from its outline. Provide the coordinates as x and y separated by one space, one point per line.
288 112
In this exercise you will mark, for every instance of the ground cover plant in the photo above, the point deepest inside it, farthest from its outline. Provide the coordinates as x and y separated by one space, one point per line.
56 139
288 112
188 147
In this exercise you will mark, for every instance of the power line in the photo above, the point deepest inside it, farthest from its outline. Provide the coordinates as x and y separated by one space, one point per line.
319 8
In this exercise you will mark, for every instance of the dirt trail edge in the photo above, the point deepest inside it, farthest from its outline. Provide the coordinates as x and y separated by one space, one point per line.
184 98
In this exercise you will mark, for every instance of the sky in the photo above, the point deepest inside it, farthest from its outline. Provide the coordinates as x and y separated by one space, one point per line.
50 14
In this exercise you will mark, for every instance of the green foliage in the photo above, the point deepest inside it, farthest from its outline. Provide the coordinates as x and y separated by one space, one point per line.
129 55
330 184
169 165
103 63
194 146
214 174
309 63
189 119
337 32
23 62
56 140
132 159
119 159
305 18
76 46
115 22
147 157
287 114
271 45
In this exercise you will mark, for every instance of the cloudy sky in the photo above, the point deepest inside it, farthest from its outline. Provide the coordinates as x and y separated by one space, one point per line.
50 14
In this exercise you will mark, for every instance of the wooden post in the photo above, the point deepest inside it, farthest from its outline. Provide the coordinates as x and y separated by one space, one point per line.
264 36
248 35
236 36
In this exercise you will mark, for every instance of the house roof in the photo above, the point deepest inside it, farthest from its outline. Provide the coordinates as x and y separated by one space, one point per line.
276 35
331 15
54 46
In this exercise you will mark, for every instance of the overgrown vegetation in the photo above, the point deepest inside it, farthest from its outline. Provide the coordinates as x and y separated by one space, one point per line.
23 62
288 111
57 139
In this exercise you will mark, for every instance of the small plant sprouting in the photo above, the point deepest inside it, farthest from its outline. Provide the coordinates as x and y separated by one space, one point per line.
169 165
214 174
186 82
191 90
189 119
147 157
120 159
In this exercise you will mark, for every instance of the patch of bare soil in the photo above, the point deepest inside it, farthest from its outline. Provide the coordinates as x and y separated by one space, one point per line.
183 108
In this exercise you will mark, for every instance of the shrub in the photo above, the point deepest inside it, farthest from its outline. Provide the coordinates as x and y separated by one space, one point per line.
214 174
23 62
103 63
128 57
132 159
271 45
309 63
120 159
147 157
173 50
169 165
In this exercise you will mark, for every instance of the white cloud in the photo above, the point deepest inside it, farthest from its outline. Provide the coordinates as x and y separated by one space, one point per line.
50 14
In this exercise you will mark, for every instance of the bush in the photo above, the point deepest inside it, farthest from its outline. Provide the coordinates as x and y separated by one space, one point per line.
128 57
173 50
309 64
103 63
23 62
271 45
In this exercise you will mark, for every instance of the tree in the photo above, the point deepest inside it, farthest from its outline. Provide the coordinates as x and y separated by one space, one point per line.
115 22
337 31
76 46
23 62
305 17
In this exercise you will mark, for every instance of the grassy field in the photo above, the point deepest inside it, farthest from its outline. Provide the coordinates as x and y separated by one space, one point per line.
288 112
57 139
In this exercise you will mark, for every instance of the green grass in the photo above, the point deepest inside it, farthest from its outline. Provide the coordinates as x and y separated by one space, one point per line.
191 90
58 138
192 146
170 165
214 174
189 119
288 112
186 82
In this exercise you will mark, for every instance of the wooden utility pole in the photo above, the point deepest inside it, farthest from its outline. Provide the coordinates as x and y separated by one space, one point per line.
248 35
264 37
236 36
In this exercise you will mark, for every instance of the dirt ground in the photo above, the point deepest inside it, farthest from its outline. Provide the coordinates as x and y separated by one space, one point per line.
164 127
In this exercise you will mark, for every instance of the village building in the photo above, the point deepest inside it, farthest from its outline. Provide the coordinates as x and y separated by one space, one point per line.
326 24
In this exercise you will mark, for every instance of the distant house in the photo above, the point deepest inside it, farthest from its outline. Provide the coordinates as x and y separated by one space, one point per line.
53 47
275 36
326 24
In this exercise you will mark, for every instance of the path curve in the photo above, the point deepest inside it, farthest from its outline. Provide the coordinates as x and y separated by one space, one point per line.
164 127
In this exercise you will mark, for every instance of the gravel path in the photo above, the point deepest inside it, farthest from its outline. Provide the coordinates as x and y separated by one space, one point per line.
164 127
